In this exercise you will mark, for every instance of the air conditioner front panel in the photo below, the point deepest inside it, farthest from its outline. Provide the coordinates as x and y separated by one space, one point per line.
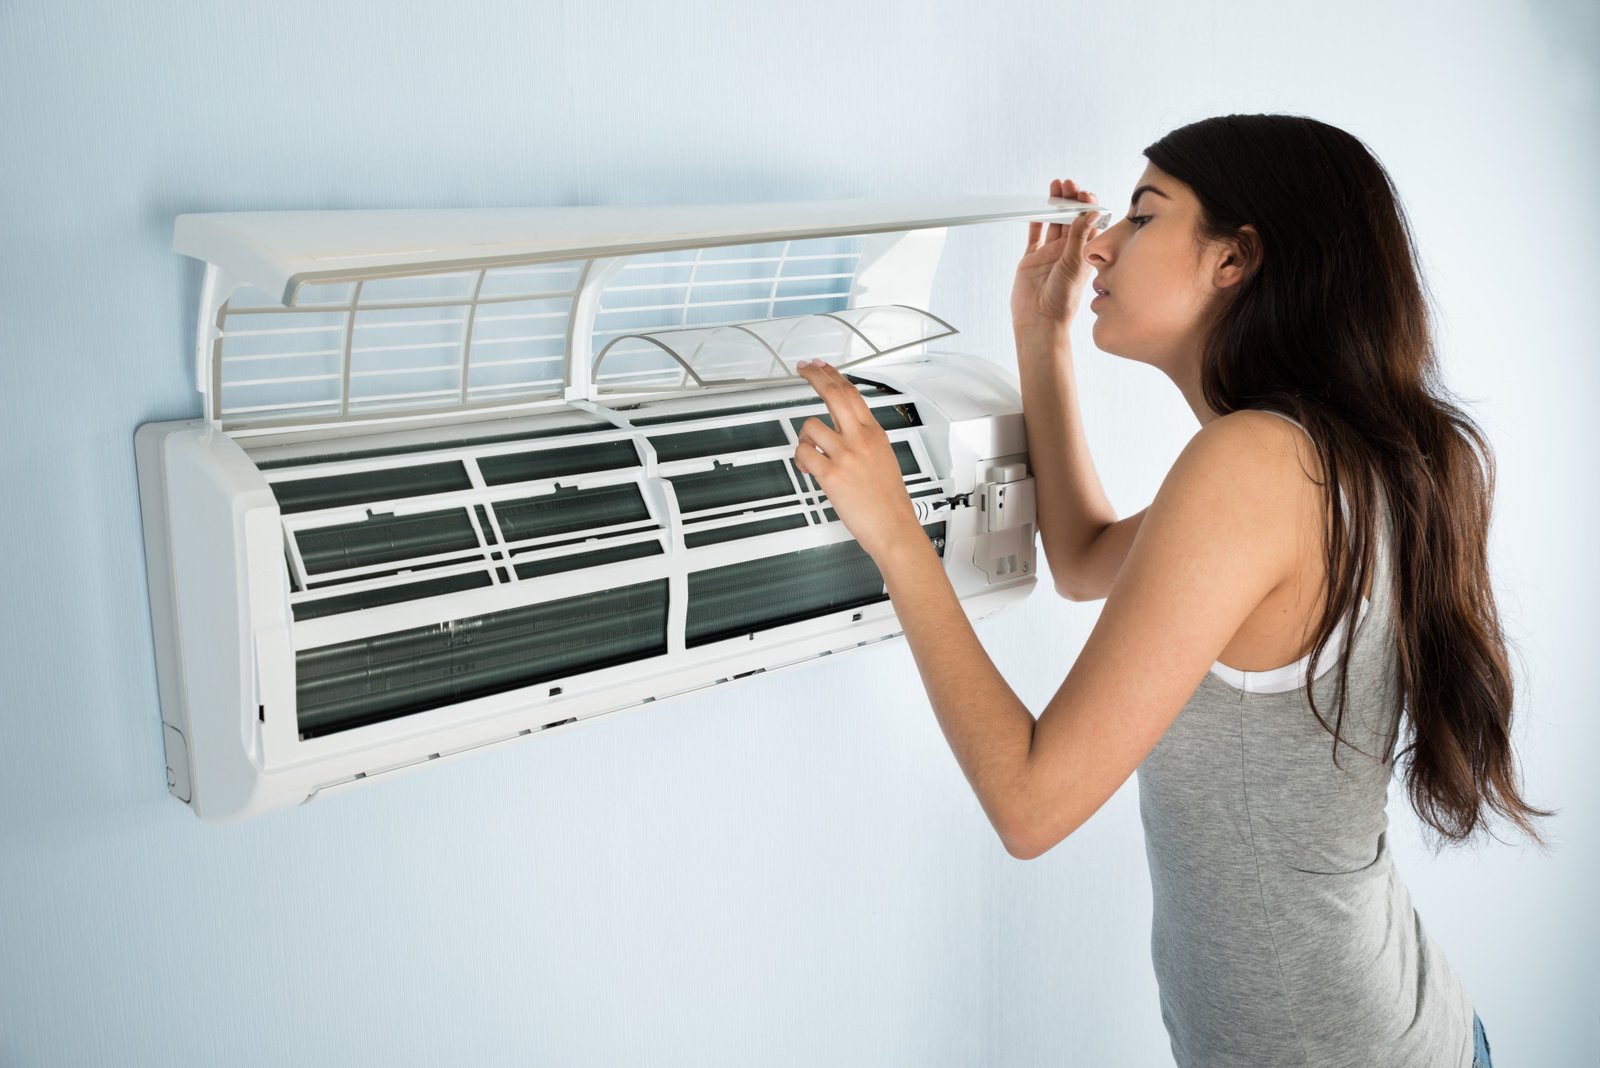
445 589
730 487
444 499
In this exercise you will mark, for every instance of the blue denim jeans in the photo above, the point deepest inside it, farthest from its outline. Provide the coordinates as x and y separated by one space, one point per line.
1480 1045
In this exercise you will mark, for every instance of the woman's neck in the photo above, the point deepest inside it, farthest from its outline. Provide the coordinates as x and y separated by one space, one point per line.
1187 378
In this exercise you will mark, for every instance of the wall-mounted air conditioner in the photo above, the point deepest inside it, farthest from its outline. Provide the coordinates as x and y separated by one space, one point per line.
465 476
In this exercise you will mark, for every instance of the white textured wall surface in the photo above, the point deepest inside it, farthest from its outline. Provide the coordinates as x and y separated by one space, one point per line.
790 870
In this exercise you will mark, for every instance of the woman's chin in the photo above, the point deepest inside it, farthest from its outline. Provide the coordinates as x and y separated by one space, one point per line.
1105 343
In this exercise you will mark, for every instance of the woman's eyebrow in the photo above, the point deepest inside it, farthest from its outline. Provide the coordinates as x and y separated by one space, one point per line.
1146 189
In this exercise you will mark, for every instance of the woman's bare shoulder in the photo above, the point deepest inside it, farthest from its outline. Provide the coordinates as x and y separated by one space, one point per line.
1254 443
1251 472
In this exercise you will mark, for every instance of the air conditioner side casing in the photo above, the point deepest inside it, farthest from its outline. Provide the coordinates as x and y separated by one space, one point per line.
213 553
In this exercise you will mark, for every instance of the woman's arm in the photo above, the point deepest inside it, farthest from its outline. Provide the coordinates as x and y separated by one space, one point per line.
1221 534
1083 540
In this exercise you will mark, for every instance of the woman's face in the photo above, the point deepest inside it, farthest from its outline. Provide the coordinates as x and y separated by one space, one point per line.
1162 286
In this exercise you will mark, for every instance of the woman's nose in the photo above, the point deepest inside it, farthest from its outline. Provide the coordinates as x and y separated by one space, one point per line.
1098 248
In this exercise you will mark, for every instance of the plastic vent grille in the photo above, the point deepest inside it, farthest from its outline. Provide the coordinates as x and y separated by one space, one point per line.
719 286
438 341
388 530
367 530
384 529
764 350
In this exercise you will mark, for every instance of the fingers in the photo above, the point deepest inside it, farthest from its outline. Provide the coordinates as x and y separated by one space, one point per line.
815 372
820 437
1068 189
1089 217
1085 225
1086 221
819 444
1057 189
1035 229
845 403
852 399
812 463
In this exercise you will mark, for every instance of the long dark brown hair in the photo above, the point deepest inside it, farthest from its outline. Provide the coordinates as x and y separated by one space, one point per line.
1332 327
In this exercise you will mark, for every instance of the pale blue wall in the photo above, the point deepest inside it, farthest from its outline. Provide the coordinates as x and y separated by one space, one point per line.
791 870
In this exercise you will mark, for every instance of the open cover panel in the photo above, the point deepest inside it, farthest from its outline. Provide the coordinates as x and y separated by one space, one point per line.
282 252
357 318
494 337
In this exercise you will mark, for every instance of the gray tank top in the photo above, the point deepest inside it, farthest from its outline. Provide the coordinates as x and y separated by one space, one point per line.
1282 934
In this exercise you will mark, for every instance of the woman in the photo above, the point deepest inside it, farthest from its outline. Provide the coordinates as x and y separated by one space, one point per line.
1266 268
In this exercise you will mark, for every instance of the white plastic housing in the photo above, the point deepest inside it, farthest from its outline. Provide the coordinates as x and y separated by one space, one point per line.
345 588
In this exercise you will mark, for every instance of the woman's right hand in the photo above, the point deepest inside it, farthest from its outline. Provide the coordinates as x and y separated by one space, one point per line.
1050 276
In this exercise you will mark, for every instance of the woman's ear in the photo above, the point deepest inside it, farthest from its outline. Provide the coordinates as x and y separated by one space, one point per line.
1240 258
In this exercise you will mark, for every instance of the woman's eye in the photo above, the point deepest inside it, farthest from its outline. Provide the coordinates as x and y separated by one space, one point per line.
1138 220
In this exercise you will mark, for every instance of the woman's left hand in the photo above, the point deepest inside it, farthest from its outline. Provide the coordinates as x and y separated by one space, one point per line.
856 466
